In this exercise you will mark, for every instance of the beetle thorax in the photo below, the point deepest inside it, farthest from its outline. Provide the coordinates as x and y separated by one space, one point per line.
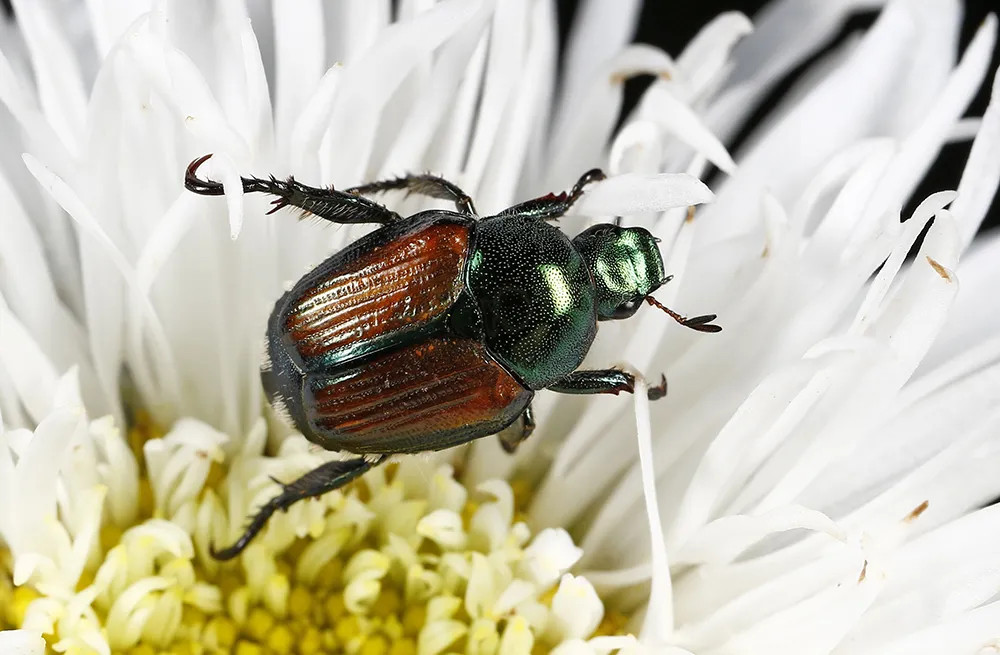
536 298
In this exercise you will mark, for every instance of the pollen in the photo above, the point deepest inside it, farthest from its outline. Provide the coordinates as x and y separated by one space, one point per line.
405 561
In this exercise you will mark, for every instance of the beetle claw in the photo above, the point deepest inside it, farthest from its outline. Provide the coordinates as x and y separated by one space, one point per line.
659 391
194 183
279 203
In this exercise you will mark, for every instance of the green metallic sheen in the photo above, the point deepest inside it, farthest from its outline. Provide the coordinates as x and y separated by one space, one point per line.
625 263
535 297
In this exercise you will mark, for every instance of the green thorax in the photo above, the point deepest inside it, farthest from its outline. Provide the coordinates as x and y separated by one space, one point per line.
535 297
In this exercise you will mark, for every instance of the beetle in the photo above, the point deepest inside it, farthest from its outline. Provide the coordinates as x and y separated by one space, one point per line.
438 328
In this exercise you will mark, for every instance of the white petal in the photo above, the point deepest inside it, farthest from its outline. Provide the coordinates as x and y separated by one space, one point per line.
600 31
444 528
708 52
21 642
723 539
516 638
550 554
31 371
61 90
981 176
661 105
436 636
659 620
633 193
576 609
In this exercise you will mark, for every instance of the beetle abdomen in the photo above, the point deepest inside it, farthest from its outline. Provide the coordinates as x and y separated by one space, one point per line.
429 395
360 297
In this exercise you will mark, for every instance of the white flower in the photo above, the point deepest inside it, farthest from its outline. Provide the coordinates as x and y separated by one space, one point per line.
814 482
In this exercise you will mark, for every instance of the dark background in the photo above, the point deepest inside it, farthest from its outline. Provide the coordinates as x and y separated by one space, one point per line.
670 25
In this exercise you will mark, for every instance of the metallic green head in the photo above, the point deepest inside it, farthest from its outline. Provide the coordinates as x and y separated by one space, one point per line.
625 264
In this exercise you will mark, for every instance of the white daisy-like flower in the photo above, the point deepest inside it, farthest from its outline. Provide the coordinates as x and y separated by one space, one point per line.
817 480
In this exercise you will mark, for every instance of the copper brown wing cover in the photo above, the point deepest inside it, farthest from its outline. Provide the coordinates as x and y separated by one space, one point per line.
353 302
426 396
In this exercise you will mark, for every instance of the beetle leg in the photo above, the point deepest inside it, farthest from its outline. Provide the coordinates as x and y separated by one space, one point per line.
323 478
328 204
425 185
511 436
552 206
609 380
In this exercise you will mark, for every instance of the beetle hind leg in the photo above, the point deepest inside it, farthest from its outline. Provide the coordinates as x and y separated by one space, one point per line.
323 478
431 186
327 204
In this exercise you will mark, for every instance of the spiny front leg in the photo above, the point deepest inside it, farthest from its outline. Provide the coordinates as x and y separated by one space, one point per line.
327 204
552 206
609 380
323 478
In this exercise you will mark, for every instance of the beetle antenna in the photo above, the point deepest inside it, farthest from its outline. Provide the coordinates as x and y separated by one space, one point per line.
699 323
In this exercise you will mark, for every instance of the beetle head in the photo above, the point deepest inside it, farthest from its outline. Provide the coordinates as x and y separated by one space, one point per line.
625 264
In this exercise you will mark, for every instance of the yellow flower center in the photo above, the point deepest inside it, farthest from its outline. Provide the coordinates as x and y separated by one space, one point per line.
370 570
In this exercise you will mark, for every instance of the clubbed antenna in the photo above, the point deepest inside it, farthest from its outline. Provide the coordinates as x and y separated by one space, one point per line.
700 323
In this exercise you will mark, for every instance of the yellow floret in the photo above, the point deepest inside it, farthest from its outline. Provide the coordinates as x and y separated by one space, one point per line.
413 620
281 640
335 608
374 645
348 628
403 647
329 575
220 633
23 596
387 603
258 624
248 648
299 601
311 642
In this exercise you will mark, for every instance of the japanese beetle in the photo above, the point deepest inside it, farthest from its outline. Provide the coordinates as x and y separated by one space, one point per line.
438 328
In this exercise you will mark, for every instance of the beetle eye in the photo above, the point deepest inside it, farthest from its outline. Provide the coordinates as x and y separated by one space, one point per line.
628 308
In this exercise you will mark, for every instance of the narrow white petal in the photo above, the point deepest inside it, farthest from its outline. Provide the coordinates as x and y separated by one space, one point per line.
661 105
633 193
299 57
883 59
368 84
785 34
981 176
60 86
579 140
504 63
69 201
919 149
706 56
722 540
110 18
29 369
659 622
600 31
